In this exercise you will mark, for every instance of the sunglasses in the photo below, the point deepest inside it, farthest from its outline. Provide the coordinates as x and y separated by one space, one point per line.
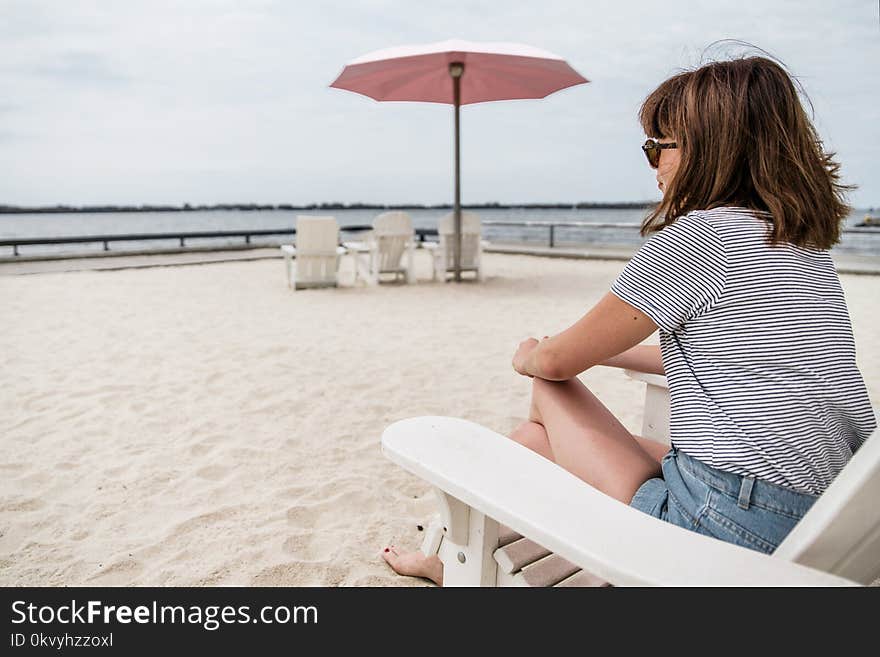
652 149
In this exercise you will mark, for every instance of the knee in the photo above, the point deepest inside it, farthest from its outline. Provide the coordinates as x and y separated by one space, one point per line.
519 433
542 388
530 434
544 392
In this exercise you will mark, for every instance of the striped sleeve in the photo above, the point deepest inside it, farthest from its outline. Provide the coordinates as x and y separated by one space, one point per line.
678 274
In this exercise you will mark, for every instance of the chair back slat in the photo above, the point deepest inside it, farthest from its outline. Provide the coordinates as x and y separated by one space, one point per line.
316 235
391 232
393 223
471 234
840 534
391 250
317 259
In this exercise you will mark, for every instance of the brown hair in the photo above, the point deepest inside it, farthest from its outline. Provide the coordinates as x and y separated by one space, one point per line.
745 140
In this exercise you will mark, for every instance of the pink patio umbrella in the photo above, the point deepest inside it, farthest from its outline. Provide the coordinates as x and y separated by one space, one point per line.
458 73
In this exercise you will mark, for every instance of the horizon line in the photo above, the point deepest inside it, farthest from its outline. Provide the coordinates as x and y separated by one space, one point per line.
328 205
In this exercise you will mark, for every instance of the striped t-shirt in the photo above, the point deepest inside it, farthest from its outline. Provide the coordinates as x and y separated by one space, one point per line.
757 346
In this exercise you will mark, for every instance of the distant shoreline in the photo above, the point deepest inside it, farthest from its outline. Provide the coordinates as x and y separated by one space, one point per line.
252 207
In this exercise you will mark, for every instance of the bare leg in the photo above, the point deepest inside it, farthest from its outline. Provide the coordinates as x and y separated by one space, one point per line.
588 441
656 449
534 436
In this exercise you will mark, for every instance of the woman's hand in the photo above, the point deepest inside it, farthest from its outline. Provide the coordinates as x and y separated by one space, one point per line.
610 327
522 353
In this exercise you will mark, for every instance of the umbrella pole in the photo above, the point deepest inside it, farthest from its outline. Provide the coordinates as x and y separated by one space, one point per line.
456 70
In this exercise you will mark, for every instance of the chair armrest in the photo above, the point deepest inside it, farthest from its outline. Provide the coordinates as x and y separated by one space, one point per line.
650 379
655 422
290 250
537 498
360 246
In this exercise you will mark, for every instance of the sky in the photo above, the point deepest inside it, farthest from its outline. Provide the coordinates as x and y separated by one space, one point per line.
221 101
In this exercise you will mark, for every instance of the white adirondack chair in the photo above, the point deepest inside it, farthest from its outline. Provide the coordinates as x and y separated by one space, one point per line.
317 253
484 478
471 246
389 249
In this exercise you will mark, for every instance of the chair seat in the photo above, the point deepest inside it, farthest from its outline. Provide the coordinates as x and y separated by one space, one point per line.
522 562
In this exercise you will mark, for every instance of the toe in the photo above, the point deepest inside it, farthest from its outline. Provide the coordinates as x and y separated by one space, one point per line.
398 560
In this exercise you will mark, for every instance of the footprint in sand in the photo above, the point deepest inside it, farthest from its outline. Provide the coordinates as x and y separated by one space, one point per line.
296 492
35 478
21 505
213 472
200 449
228 516
334 511
114 472
288 574
316 516
119 573
310 547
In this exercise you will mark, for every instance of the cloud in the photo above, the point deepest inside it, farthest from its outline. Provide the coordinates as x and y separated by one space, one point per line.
161 101
81 68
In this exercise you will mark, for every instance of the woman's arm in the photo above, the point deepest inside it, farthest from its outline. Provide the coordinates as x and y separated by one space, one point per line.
611 327
641 358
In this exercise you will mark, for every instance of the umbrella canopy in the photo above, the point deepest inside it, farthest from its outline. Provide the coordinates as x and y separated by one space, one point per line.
459 73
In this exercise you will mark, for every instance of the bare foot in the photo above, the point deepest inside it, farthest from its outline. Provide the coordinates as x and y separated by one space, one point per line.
414 564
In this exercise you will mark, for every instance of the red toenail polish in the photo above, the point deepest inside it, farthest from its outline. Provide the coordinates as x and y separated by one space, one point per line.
386 549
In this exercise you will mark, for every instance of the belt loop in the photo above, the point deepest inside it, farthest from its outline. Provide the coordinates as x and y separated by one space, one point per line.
745 492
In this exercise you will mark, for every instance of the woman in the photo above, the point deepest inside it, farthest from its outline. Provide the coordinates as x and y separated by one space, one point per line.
767 403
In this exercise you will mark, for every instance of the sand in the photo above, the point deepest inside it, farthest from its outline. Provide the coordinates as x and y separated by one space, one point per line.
204 425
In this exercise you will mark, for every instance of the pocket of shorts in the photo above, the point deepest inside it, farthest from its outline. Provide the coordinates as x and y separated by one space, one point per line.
717 521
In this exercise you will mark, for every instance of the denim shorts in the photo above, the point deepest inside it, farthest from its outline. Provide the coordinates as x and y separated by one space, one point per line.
736 509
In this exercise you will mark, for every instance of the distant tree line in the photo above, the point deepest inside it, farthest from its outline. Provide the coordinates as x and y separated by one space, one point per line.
247 207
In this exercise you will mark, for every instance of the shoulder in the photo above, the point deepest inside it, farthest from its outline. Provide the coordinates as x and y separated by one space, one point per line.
729 219
728 226
696 227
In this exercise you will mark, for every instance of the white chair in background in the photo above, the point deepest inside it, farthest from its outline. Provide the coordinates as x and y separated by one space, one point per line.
471 246
389 249
582 537
317 253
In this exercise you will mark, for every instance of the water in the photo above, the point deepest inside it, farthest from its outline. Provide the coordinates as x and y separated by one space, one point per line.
80 224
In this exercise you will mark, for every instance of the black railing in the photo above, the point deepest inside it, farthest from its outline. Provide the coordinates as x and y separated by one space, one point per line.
421 233
553 225
182 237
137 237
